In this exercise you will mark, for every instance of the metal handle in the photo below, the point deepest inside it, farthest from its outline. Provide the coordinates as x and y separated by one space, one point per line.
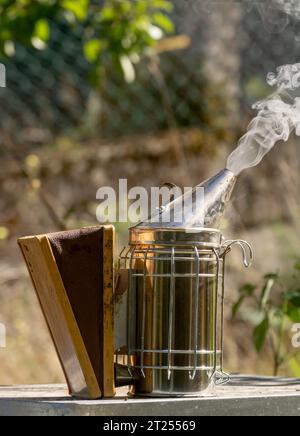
221 377
247 250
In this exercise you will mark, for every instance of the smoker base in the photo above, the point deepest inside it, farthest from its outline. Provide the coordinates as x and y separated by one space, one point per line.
209 391
243 396
205 394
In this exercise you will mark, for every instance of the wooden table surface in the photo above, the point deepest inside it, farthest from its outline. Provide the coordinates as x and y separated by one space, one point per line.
243 396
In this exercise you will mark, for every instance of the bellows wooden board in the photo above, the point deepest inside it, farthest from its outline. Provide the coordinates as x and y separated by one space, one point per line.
73 276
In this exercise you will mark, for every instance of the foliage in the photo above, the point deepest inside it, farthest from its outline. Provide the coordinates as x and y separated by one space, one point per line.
117 32
123 30
27 21
275 308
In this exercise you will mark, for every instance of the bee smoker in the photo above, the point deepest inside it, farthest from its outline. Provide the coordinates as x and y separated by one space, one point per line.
175 300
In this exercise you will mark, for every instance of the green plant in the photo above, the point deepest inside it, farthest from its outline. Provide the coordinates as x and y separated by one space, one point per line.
116 32
122 31
272 311
27 21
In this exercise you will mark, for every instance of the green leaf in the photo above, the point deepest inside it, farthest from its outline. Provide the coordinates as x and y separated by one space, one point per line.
9 48
295 367
164 22
293 298
247 290
272 276
163 4
93 49
107 14
260 334
293 314
236 307
42 30
128 69
79 8
271 279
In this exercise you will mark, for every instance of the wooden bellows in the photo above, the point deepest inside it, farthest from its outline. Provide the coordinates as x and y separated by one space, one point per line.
73 276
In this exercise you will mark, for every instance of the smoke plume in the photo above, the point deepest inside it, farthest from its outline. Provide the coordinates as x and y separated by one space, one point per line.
291 7
278 116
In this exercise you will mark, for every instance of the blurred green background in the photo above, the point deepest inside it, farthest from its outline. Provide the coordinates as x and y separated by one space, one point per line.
151 91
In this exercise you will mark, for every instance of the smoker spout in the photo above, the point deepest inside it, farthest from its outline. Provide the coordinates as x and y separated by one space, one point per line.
206 212
217 194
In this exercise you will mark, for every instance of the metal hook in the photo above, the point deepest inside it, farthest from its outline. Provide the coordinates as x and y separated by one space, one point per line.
248 255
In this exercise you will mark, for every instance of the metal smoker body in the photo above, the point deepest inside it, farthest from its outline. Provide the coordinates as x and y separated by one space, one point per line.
175 300
176 310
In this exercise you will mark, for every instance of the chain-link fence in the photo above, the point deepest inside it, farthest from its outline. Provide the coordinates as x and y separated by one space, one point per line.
231 49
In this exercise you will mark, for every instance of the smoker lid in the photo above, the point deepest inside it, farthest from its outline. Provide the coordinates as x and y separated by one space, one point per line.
209 238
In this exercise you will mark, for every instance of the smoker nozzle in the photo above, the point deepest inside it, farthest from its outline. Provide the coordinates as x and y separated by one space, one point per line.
204 214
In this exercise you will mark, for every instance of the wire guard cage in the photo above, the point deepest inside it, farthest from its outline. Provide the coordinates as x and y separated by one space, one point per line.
175 309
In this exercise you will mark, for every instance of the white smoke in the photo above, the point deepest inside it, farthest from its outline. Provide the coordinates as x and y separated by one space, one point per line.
275 14
291 7
278 116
